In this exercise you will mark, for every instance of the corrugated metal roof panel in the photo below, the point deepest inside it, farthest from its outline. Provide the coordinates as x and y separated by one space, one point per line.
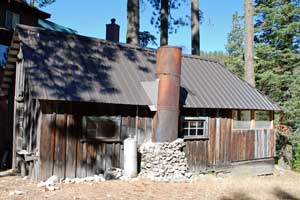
63 66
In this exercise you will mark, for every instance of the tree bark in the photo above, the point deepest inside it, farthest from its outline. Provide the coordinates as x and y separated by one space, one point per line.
164 21
133 22
195 27
32 3
249 46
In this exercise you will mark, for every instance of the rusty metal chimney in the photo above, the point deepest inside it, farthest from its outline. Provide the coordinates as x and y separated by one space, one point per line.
113 31
168 71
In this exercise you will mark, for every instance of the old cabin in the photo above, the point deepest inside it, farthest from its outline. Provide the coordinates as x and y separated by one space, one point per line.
75 99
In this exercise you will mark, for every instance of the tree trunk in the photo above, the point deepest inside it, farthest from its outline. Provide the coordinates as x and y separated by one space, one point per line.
133 22
249 47
32 3
164 21
195 27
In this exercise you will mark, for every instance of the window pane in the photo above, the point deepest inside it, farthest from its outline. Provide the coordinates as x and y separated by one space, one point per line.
194 127
193 124
245 115
103 127
91 133
107 128
186 132
241 124
262 116
11 19
244 122
192 132
262 120
201 124
185 124
15 20
8 19
200 132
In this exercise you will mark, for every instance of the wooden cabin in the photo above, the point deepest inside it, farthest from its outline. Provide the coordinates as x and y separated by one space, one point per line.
75 99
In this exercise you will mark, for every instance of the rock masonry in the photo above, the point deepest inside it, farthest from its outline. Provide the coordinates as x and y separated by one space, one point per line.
164 161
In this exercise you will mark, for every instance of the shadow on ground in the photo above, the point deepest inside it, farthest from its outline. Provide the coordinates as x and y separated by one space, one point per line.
278 192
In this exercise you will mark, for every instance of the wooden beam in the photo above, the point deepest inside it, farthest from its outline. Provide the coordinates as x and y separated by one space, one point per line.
12 59
10 66
13 52
7 79
16 38
252 124
8 72
15 46
271 113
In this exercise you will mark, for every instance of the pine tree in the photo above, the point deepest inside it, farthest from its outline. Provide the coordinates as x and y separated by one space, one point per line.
235 47
195 27
278 56
163 18
41 3
249 46
133 22
219 56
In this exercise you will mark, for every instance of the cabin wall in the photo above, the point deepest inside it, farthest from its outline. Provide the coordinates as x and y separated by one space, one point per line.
65 150
253 144
204 154
225 147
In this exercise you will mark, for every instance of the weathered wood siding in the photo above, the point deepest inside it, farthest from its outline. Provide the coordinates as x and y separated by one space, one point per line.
66 152
225 146
203 154
253 144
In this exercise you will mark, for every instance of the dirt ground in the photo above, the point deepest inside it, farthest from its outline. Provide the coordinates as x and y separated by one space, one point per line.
281 185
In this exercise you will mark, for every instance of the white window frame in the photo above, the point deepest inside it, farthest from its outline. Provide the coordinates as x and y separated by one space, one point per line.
205 128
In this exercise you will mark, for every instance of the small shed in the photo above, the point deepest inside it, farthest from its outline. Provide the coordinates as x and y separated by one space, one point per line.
75 99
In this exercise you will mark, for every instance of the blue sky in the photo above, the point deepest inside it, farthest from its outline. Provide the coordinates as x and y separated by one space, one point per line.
89 18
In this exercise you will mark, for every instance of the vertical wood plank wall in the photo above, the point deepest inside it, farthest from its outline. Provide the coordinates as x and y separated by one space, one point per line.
253 144
203 154
225 146
65 153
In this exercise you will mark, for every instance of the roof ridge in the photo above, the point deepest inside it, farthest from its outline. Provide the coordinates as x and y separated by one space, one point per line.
103 41
84 37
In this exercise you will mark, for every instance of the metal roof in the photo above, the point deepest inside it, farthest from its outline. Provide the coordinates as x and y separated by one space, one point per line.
67 67
43 23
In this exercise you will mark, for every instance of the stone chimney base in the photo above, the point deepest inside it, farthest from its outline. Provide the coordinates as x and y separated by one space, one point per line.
164 161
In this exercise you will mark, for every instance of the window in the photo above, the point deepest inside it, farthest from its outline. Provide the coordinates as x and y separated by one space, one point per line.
195 127
102 127
251 119
11 20
241 119
262 120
